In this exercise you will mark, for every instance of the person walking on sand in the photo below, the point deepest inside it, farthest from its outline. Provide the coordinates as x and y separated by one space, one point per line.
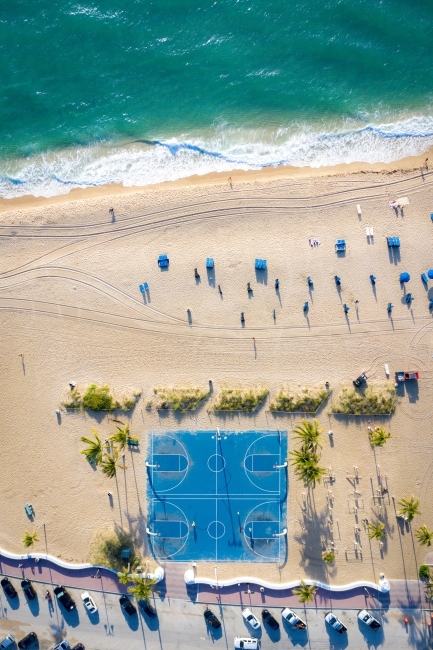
230 181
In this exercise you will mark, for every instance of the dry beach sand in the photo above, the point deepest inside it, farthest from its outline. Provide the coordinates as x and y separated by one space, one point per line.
70 305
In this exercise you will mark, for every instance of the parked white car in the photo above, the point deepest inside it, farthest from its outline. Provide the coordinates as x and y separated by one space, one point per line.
335 623
292 619
369 620
7 641
89 603
250 618
63 645
246 643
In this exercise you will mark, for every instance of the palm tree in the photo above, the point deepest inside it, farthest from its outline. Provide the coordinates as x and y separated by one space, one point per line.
121 436
301 457
306 593
309 434
409 507
143 588
379 436
30 538
376 531
110 463
93 452
424 536
124 576
312 473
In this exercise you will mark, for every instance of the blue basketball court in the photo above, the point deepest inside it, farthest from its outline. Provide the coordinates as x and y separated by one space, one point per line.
217 495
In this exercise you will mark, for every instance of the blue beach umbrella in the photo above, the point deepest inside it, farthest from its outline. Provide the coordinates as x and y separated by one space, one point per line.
404 277
430 274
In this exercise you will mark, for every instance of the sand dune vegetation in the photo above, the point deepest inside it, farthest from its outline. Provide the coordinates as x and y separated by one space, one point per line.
370 401
179 399
239 399
304 400
98 398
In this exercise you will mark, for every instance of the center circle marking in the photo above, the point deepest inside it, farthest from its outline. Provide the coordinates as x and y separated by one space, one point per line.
216 463
216 529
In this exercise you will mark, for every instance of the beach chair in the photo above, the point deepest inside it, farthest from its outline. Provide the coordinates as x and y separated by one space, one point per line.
358 207
385 365
141 287
371 231
396 241
132 442
424 278
163 261
430 304
409 298
340 245
373 279
29 510
390 241
145 286
209 263
367 231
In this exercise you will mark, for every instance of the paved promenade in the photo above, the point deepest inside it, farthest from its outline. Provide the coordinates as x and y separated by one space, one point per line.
404 595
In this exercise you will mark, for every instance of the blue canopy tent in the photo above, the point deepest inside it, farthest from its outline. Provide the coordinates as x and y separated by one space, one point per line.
430 274
404 277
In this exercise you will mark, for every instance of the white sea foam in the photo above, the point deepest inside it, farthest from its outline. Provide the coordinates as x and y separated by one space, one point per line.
222 149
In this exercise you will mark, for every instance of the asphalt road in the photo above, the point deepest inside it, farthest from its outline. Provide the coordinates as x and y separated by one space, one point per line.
180 625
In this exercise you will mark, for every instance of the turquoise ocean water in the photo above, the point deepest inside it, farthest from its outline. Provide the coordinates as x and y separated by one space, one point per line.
136 92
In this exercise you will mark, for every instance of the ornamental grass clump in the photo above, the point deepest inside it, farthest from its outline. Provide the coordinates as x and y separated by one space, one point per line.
307 400
424 572
328 557
180 399
379 436
240 399
371 401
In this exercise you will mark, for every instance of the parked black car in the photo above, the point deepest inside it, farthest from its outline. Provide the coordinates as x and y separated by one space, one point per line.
211 619
78 646
27 641
359 381
28 589
126 604
64 598
8 588
270 620
147 608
